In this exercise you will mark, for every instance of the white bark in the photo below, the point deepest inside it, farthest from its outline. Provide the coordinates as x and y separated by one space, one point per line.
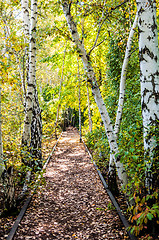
26 27
26 20
61 81
36 124
2 167
96 92
30 96
79 100
32 131
32 51
89 110
149 78
123 79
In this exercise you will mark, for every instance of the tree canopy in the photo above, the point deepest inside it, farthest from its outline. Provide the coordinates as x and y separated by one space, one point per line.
84 44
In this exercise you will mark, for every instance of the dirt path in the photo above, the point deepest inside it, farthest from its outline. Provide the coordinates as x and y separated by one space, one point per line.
73 204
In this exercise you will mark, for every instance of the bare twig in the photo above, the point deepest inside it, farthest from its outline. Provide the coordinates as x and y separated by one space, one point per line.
101 24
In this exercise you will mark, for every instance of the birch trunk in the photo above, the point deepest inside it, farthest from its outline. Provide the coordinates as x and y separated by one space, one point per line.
32 131
112 172
79 100
26 27
149 80
36 123
2 167
61 81
89 110
8 189
96 93
36 133
31 86
123 79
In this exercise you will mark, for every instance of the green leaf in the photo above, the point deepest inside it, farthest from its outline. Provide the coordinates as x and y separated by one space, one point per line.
150 216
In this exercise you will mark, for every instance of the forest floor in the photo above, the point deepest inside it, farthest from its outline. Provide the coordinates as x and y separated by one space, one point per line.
72 204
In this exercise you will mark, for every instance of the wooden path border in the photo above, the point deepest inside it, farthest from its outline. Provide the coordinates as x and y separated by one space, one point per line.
122 217
27 202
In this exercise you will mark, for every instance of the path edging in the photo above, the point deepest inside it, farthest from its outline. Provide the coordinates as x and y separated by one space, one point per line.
27 202
122 217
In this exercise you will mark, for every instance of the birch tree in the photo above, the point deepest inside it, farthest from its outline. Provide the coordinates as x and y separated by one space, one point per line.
36 124
2 167
79 101
149 81
32 124
89 109
26 28
123 78
32 130
112 172
61 81
91 78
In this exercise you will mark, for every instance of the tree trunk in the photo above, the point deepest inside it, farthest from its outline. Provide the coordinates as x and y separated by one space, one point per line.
30 93
26 28
149 78
79 100
61 81
96 93
2 166
89 110
112 170
8 189
32 131
36 134
123 79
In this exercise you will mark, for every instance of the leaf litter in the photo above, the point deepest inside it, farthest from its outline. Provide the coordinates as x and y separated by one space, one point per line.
73 203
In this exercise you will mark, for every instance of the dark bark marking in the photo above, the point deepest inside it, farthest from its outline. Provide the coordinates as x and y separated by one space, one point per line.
140 21
141 57
141 10
145 50
145 91
155 58
144 106
73 32
31 85
118 158
149 38
154 26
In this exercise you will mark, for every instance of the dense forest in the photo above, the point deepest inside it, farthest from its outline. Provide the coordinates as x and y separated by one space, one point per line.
89 64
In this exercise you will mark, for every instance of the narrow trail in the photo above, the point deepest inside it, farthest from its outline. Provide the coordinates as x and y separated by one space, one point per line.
73 204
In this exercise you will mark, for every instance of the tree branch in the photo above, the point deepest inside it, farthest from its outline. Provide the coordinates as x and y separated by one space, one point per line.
63 34
101 24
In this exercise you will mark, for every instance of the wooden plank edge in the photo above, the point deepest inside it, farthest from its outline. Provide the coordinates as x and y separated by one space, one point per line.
27 202
122 217
19 218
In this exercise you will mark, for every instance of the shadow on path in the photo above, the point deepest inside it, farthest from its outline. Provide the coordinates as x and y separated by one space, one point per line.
73 204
